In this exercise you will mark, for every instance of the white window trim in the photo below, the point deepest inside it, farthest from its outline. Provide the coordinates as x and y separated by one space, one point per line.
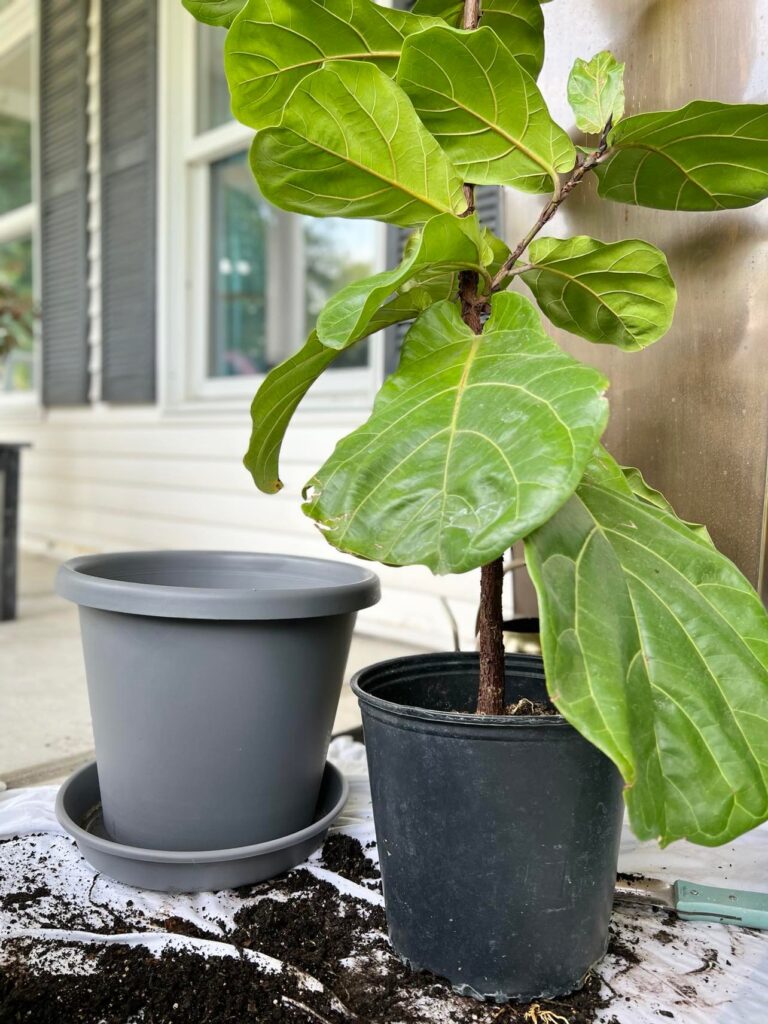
184 159
18 24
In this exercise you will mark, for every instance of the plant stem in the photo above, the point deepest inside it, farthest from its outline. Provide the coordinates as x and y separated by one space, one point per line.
583 165
490 635
490 621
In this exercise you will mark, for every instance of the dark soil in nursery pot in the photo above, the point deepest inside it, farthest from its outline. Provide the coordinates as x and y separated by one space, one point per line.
307 923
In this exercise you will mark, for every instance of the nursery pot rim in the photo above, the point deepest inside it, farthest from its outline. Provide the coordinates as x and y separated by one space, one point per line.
116 849
310 588
410 666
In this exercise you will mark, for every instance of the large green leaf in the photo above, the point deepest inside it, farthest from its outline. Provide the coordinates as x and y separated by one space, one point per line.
519 24
656 649
445 244
274 45
472 442
350 145
284 387
596 91
485 111
615 293
706 156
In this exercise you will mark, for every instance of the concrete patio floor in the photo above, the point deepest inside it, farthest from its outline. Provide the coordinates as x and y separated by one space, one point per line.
45 730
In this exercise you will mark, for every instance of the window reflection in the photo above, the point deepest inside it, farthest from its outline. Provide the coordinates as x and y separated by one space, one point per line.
15 128
272 272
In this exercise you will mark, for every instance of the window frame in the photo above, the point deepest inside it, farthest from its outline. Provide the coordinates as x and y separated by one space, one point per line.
185 159
19 25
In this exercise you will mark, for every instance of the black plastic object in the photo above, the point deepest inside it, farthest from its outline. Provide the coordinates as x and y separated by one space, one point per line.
498 836
78 808
213 681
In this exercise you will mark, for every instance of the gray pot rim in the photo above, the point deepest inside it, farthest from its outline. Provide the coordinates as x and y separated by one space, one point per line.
311 587
417 664
115 849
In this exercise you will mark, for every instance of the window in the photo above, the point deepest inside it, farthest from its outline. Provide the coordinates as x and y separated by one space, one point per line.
259 276
17 212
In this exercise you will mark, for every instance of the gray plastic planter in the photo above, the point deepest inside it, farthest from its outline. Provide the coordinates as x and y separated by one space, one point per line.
213 680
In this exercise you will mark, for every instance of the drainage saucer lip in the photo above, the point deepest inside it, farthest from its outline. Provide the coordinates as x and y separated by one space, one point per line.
334 787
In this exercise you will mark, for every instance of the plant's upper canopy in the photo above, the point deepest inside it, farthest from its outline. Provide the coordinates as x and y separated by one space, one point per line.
656 647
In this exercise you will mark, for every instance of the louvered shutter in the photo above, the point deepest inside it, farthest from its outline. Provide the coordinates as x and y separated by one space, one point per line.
488 201
128 198
63 69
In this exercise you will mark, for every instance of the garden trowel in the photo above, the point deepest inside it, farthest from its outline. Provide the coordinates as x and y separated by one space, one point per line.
694 902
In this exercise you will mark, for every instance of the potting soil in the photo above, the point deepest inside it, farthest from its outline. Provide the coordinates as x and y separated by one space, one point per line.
78 948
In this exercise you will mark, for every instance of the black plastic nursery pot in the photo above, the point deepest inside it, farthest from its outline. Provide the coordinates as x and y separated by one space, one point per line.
498 837
213 680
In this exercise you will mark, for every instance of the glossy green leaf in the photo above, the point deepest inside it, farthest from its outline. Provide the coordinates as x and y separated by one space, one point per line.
275 45
485 111
596 92
641 489
214 12
706 156
656 649
350 145
284 387
519 24
613 293
472 442
445 244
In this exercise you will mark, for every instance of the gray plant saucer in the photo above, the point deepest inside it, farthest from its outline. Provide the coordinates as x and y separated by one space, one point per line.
78 809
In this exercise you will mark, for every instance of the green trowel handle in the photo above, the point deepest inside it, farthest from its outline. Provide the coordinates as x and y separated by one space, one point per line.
726 906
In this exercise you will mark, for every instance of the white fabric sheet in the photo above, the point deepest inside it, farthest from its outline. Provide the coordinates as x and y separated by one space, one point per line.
702 973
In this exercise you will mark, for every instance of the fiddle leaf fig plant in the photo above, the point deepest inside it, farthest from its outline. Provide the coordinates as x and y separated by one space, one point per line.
655 646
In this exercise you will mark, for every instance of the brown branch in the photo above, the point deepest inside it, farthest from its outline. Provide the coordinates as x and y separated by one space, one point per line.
583 166
471 14
490 634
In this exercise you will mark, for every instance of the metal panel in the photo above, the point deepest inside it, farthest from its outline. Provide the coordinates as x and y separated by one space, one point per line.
63 199
692 410
128 197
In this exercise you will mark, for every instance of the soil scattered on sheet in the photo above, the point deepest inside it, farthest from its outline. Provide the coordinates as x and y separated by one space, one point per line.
340 968
345 856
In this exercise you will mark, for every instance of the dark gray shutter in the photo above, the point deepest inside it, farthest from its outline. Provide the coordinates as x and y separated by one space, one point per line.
488 202
63 69
128 198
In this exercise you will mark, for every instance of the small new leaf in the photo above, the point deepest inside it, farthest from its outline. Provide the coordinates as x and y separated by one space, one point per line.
596 92
350 145
612 293
656 649
486 112
473 441
706 156
446 244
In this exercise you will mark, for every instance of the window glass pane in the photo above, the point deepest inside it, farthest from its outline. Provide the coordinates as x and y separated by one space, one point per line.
271 273
16 336
213 106
337 252
240 230
15 128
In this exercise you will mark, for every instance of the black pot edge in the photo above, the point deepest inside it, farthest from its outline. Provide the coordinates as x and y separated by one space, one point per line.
448 659
515 998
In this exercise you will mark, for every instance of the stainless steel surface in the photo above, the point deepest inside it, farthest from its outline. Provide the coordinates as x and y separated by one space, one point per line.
692 410
648 891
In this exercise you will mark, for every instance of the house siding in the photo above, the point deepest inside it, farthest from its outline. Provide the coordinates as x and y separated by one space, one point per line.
108 479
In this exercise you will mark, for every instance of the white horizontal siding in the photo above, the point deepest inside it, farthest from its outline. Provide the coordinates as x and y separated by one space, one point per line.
107 479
